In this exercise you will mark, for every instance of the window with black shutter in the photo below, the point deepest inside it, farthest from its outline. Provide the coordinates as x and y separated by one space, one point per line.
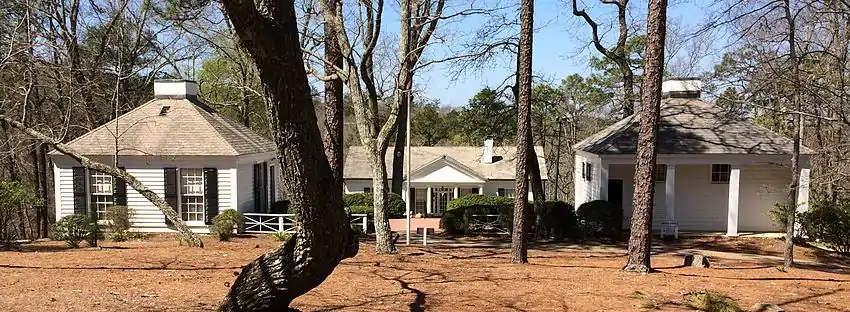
119 191
80 194
210 194
500 192
172 189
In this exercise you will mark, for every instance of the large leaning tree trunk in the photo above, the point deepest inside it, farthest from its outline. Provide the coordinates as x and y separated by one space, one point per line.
519 237
788 254
183 230
269 32
619 54
640 241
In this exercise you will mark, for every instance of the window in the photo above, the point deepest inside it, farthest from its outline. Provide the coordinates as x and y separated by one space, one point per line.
586 171
510 193
420 198
101 193
467 191
720 173
192 195
367 190
660 173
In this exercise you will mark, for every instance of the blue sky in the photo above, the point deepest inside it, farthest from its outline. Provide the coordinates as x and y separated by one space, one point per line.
560 49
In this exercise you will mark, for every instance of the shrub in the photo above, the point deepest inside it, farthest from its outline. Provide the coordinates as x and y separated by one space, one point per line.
14 198
559 219
282 236
119 218
225 223
779 214
363 202
124 236
599 217
459 211
74 229
828 222
712 302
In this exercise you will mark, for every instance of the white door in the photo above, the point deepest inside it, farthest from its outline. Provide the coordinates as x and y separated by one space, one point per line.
440 198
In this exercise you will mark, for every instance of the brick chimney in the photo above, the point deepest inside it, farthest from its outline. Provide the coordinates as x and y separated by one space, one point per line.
487 156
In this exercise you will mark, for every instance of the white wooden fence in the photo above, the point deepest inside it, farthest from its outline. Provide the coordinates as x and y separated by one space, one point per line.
279 222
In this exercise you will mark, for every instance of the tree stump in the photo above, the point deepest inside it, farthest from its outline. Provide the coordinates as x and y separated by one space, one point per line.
696 261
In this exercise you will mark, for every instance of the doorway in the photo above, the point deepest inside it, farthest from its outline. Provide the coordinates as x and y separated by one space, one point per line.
615 197
440 198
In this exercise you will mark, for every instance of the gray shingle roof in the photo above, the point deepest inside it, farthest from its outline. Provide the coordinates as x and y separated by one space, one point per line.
691 126
503 168
190 128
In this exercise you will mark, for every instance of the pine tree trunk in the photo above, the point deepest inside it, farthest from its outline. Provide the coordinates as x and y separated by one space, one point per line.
640 242
269 32
519 238
788 253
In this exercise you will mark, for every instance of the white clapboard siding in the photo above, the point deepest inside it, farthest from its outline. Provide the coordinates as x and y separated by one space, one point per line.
65 192
762 186
245 187
145 214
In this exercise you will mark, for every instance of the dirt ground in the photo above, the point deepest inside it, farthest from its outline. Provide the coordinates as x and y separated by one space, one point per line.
160 275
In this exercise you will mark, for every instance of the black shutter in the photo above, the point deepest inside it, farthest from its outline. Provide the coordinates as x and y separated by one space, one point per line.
171 190
500 192
119 191
257 203
210 194
412 197
265 187
272 185
80 194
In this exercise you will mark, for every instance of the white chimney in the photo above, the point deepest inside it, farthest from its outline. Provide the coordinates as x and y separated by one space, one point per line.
682 88
175 89
487 156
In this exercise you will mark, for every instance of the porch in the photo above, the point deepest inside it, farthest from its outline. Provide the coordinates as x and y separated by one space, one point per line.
432 199
717 193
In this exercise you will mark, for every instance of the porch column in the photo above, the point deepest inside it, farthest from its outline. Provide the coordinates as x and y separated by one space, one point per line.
481 189
734 192
428 201
670 192
803 190
603 180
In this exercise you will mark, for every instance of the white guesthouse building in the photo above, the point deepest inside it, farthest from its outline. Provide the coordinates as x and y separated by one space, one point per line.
714 173
442 173
198 160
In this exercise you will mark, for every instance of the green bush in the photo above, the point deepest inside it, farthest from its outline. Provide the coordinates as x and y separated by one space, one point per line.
599 218
779 214
282 236
459 211
119 218
74 229
225 223
126 236
559 220
828 222
15 197
363 202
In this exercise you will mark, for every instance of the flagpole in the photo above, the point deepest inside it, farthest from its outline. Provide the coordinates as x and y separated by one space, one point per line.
407 155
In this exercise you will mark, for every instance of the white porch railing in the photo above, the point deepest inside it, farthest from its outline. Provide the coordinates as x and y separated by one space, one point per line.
285 222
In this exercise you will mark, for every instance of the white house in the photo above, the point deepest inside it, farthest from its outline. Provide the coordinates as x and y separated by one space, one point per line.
714 173
442 173
200 161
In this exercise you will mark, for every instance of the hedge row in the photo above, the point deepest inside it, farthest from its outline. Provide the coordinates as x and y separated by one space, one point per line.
363 203
558 219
